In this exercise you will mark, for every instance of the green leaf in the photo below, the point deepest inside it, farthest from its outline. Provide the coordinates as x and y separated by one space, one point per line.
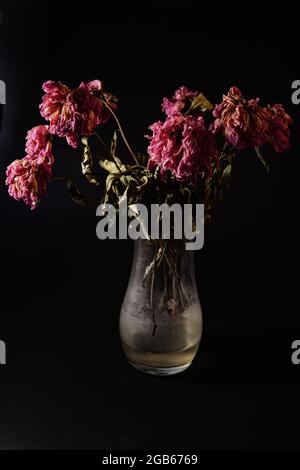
76 195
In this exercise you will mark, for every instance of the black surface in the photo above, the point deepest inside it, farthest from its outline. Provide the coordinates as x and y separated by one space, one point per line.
67 384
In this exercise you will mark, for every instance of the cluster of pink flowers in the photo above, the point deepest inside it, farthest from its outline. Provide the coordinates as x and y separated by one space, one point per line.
182 145
246 124
75 113
28 177
72 114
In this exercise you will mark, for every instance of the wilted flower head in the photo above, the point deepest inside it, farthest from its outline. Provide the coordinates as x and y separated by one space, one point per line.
243 122
278 131
38 143
75 113
182 99
27 179
183 147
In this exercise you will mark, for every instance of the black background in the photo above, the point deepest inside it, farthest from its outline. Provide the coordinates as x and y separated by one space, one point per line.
67 384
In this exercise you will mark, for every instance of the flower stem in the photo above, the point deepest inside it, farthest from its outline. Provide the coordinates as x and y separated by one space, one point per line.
102 142
107 150
121 132
152 291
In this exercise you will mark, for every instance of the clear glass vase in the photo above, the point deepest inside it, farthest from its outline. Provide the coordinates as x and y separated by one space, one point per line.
161 317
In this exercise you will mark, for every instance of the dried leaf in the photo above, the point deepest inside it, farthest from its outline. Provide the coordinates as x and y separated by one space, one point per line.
201 102
113 145
227 173
142 158
262 159
87 162
150 268
109 182
109 166
143 182
76 195
85 141
126 180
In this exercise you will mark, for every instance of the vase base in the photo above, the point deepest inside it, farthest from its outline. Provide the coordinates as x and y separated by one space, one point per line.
160 363
159 371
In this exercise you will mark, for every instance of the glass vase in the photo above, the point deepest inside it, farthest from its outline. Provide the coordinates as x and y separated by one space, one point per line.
161 317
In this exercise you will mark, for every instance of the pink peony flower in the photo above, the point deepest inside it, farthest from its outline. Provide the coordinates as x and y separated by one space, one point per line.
181 99
183 147
27 179
75 113
278 132
53 100
243 122
39 143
